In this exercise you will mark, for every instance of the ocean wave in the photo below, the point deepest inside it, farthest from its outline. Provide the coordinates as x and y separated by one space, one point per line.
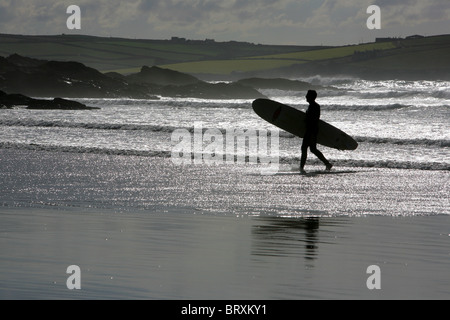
369 107
352 101
292 100
442 143
381 164
438 94
119 126
80 149
427 142
386 164
330 80
207 104
78 125
164 102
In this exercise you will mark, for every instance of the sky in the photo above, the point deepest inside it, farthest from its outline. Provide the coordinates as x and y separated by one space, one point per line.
298 22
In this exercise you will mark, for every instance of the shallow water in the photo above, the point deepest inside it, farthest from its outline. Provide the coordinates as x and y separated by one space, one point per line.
144 228
38 179
398 124
100 190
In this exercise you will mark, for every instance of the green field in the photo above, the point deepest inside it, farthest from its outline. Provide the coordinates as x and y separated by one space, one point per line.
428 54
129 55
269 62
330 53
225 67
421 54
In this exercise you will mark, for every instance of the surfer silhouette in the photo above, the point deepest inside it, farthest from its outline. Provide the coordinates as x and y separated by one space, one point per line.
312 129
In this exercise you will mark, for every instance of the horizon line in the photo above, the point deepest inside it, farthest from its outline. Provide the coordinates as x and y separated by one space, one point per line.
186 40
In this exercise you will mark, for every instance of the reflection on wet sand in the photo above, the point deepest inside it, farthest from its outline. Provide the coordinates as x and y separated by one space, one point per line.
275 236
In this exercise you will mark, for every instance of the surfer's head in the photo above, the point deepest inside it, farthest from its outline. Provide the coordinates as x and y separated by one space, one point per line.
311 96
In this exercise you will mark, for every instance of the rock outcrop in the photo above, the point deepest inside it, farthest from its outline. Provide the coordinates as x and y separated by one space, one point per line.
9 101
41 78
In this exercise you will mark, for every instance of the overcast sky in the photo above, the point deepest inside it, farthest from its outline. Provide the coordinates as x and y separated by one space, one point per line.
302 22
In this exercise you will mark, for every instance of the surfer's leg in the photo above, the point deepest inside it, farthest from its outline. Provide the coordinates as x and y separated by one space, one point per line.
319 155
304 155
313 148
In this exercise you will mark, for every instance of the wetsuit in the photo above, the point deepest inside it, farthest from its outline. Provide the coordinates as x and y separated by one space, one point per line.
310 138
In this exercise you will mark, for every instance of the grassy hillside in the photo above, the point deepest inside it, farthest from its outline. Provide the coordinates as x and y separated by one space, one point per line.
226 67
129 55
330 53
397 58
270 62
423 58
426 54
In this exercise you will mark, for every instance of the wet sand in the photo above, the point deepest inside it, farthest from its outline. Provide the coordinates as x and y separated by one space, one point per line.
141 228
182 255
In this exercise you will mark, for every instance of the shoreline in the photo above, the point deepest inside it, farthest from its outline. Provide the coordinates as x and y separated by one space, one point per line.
133 182
204 158
143 228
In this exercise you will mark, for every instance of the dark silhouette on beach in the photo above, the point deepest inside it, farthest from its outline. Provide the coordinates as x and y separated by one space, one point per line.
276 236
312 129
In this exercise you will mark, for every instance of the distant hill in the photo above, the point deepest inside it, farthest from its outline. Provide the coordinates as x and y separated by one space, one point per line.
414 58
409 59
389 58
129 55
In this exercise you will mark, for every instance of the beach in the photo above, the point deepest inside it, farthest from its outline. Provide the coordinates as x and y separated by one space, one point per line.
141 227
224 159
170 199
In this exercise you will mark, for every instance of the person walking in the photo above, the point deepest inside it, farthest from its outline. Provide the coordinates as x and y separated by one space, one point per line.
312 130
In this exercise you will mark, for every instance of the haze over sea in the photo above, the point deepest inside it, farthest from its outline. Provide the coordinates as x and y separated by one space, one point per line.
98 189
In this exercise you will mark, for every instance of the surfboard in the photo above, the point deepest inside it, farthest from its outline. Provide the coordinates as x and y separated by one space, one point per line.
293 121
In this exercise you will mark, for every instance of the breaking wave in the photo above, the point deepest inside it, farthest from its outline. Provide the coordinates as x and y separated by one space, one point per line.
427 142
98 126
394 106
80 149
442 143
169 129
389 164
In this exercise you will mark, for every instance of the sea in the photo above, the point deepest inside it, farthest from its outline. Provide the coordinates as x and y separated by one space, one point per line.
398 124
105 190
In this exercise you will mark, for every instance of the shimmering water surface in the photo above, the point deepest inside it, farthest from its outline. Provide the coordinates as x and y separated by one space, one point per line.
397 123
100 190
